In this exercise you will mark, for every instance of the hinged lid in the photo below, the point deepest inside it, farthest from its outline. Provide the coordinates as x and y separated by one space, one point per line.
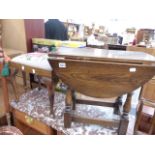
105 55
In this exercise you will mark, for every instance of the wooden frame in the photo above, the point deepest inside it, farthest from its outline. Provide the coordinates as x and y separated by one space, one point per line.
25 69
109 74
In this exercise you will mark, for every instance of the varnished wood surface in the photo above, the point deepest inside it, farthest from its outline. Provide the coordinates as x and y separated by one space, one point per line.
147 100
30 69
35 124
102 79
103 54
148 91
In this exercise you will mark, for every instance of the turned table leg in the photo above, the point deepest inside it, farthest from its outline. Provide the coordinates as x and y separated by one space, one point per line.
68 109
74 100
118 104
125 116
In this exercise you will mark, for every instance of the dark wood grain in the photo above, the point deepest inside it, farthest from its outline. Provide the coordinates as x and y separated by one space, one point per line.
102 74
147 100
102 79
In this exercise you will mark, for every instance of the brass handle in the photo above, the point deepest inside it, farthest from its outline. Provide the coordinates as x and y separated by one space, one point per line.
28 119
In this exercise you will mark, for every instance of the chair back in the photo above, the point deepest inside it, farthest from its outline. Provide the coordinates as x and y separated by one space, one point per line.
148 91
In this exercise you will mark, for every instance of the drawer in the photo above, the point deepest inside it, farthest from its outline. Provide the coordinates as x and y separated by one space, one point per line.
33 123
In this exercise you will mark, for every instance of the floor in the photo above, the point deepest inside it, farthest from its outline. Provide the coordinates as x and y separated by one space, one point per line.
20 90
11 96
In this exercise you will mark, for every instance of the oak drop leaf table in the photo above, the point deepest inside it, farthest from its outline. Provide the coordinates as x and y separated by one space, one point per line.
100 73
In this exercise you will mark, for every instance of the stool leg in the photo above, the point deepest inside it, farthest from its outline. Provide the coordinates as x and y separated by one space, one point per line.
152 124
139 115
50 87
14 87
68 109
24 80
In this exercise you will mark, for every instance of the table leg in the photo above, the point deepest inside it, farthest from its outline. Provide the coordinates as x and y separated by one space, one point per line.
74 100
68 109
118 104
125 116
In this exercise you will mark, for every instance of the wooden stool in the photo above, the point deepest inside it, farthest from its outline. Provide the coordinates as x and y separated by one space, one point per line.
25 69
147 99
43 77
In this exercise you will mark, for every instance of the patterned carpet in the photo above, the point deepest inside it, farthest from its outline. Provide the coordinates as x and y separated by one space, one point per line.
36 104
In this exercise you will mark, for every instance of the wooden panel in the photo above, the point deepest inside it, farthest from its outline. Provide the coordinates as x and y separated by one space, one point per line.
148 91
33 123
13 34
141 49
29 69
101 79
34 28
103 55
26 130
146 119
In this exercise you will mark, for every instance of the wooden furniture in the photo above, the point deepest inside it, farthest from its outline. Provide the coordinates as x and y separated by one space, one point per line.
26 69
22 119
141 49
147 99
5 89
101 74
144 35
43 75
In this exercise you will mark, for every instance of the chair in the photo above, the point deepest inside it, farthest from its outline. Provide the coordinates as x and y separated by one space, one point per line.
147 100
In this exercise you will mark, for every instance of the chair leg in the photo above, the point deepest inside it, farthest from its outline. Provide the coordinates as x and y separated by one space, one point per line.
152 124
139 114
